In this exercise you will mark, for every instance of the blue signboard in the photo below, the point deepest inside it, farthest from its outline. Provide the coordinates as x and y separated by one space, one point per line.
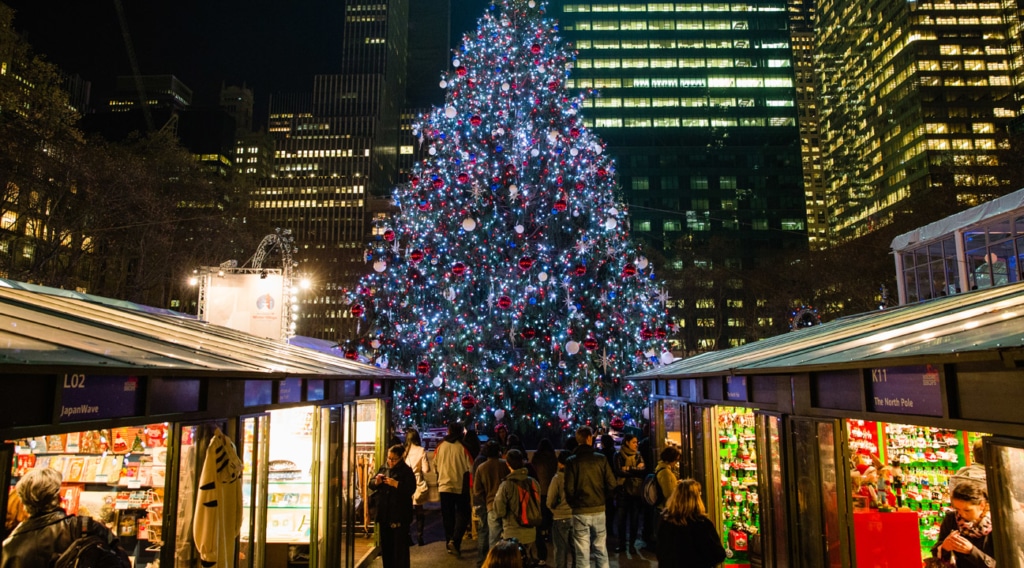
736 389
314 389
906 390
92 397
289 390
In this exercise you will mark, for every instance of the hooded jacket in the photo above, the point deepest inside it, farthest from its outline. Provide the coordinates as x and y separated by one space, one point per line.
506 503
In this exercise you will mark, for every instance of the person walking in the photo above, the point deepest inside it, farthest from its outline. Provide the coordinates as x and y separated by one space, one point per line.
629 470
545 463
416 459
453 465
588 483
507 504
486 479
686 536
48 531
394 486
561 516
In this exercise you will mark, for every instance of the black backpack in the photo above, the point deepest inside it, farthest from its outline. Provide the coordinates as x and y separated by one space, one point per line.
650 490
528 514
90 547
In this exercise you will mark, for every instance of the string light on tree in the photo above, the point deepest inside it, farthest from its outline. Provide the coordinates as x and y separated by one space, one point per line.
519 296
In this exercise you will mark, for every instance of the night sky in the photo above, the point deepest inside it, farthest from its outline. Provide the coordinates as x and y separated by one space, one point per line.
273 46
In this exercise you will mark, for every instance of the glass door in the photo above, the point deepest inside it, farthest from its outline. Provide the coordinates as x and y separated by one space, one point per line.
771 544
1004 469
702 451
254 453
336 455
190 443
821 519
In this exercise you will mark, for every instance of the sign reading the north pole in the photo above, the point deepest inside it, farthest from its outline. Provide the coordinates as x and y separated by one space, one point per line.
906 390
91 397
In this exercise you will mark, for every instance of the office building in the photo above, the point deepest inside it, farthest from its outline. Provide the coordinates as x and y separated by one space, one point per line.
915 102
697 103
159 91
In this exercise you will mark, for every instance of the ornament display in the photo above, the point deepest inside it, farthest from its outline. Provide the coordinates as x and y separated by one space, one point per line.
572 347
469 224
436 381
499 414
351 354
617 423
468 401
423 367
590 344
525 263
504 302
600 401
459 268
380 266
629 270
375 344
389 235
416 256
358 310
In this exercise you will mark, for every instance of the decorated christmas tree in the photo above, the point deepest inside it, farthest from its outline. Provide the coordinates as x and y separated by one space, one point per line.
505 279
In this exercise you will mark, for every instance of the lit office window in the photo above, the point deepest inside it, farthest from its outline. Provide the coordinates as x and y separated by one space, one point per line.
666 122
661 25
606 83
633 25
778 82
607 64
692 62
636 102
751 82
635 44
605 8
663 63
664 82
609 122
689 25
635 63
672 226
689 7
636 82
752 121
723 102
717 25
665 102
662 7
584 63
698 182
691 43
642 225
721 81
638 123
719 62
778 63
611 102
606 44
693 101
633 7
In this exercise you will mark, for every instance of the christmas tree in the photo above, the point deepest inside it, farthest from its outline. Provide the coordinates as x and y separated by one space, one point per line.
506 280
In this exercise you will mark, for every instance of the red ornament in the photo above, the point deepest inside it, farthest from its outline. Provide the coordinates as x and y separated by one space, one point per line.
618 423
574 132
504 302
529 333
407 411
553 86
646 333
416 255
468 401
602 172
535 48
580 270
389 235
423 367
475 120
525 263
463 177
580 185
629 270
660 333
438 183
561 205
415 181
590 344
424 205
459 268
461 71
358 310
351 354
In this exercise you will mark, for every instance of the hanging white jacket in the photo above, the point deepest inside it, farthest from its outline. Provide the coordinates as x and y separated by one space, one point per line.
218 517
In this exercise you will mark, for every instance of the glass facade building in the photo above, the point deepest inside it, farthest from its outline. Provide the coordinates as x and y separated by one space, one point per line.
697 102
915 100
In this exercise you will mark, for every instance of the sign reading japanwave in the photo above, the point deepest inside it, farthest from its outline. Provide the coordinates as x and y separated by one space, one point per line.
906 390
89 397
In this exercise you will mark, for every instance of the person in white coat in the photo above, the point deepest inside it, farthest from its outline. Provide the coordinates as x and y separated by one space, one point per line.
416 458
453 465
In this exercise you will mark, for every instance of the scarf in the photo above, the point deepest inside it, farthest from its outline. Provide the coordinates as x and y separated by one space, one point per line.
977 529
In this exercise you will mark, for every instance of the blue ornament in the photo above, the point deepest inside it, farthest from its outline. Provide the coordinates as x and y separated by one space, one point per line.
533 301
498 148
544 365
611 295
439 340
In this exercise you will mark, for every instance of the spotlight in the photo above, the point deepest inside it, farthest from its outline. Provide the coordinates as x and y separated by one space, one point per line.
263 275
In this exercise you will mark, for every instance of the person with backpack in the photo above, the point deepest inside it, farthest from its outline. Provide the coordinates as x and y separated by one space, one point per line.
628 466
487 477
686 536
517 504
49 533
659 485
561 514
588 483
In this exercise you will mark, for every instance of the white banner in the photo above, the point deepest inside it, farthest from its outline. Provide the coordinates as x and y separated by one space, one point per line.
247 303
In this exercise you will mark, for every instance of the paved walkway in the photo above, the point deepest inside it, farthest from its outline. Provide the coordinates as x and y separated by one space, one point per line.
433 554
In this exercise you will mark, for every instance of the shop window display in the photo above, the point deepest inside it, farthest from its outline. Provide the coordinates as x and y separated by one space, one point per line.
906 470
737 461
116 476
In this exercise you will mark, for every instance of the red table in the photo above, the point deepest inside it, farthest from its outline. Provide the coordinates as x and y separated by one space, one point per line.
887 540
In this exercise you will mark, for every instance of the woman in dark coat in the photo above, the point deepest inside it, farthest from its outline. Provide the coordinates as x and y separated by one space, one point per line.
966 532
393 487
686 536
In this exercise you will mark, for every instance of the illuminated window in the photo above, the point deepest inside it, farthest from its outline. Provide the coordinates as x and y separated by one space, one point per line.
694 122
584 63
698 182
692 62
1001 80
689 25
608 122
936 128
605 83
635 44
606 44
717 25
665 102
635 63
642 225
633 25
983 128
720 81
661 25
605 8
719 62
723 102
778 82
638 123
608 103
792 224
636 7
735 322
705 322
949 49
606 64
963 144
663 63
636 102
638 82
690 43
666 122
665 83
694 101
985 144
672 226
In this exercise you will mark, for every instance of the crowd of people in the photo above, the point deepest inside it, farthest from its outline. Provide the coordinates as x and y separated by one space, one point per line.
588 496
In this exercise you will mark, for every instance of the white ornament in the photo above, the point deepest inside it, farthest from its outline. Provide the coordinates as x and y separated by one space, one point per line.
382 362
596 148
520 229
501 132
667 357
543 277
499 414
600 402
456 63
531 4
432 151
450 112
571 112
572 347
613 211
535 152
641 262
552 135
449 294
444 84
505 86
541 68
375 344
380 266
610 223
436 382
574 152
564 414
469 224
513 190
647 413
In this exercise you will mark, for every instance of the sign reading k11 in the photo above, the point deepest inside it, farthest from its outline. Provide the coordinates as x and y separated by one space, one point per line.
91 397
906 390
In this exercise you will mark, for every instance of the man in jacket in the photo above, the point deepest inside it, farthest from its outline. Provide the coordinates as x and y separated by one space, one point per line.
393 488
453 465
486 479
48 531
588 483
507 503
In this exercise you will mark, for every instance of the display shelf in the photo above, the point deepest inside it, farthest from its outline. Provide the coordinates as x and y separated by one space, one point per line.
737 474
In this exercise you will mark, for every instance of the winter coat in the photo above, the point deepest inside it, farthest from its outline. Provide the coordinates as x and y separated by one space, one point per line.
506 504
546 464
693 545
629 472
416 459
488 477
38 541
394 504
982 555
556 502
588 481
218 513
667 479
452 463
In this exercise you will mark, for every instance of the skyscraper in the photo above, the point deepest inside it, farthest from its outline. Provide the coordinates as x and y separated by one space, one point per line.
915 100
697 102
336 148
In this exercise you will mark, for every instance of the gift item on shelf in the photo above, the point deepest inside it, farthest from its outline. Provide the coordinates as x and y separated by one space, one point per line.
737 474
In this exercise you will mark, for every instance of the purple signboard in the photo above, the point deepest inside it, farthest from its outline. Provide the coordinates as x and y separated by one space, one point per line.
289 390
736 389
906 390
92 397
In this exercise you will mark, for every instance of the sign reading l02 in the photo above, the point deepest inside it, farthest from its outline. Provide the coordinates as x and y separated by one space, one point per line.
906 390
92 397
